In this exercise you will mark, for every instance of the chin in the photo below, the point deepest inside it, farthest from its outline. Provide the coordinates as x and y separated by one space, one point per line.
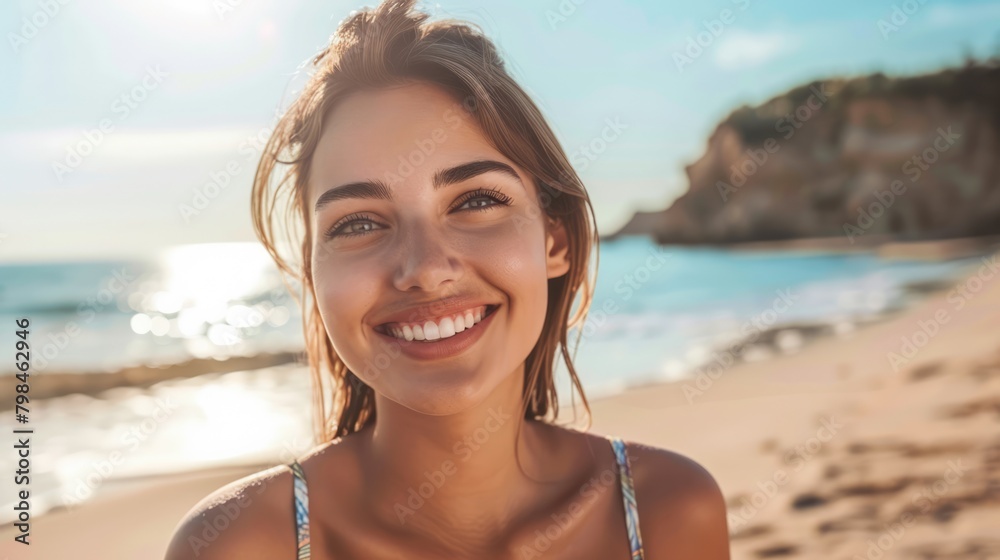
440 393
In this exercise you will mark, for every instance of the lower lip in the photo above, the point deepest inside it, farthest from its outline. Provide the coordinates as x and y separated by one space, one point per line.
442 347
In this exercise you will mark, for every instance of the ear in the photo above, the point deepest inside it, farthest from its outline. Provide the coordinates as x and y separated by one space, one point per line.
556 248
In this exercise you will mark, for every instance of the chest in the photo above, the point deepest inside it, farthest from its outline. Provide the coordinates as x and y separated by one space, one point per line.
585 524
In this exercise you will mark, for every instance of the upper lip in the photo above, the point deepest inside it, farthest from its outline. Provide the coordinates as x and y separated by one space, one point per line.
432 311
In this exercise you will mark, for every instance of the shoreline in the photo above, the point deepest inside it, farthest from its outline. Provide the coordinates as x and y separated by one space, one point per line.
883 246
53 384
799 491
794 490
816 452
46 385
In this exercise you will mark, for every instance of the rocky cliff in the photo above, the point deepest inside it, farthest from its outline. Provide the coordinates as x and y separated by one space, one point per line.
876 156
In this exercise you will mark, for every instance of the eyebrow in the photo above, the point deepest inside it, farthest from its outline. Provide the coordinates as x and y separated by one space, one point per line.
376 189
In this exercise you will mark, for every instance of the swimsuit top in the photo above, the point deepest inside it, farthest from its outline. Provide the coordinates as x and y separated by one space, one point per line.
625 477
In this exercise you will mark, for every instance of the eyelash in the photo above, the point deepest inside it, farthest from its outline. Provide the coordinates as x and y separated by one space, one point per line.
499 198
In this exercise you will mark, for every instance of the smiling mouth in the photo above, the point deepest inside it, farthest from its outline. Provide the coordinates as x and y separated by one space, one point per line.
441 329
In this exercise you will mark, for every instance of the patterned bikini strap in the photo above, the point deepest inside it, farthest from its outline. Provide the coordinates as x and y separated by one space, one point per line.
628 497
301 493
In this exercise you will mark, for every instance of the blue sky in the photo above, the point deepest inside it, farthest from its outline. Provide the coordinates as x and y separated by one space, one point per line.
209 74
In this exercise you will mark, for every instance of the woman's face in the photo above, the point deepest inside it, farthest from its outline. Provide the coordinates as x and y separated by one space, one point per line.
422 229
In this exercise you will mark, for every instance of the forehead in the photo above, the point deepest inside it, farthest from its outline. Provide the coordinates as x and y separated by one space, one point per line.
376 134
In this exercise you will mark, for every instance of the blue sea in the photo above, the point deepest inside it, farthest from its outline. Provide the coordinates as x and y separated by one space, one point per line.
658 313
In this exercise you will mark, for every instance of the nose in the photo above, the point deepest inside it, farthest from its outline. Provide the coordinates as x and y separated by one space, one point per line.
426 261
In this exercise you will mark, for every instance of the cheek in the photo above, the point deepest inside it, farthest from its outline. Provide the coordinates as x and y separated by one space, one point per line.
344 293
514 255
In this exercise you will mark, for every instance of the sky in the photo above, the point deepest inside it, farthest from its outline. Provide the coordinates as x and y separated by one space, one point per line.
114 114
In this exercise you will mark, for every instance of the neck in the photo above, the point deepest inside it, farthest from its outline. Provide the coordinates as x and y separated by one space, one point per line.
455 477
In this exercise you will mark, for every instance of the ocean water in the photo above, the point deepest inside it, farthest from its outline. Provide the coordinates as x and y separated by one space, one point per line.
658 314
192 301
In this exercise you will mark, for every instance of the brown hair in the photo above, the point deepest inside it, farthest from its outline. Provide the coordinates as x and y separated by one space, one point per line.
392 45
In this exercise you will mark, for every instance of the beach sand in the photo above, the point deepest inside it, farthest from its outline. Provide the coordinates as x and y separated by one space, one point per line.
830 452
835 453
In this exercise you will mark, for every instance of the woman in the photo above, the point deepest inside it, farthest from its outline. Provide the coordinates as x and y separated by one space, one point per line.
445 238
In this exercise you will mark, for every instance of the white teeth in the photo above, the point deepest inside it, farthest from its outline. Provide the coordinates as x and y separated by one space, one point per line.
444 328
431 331
447 327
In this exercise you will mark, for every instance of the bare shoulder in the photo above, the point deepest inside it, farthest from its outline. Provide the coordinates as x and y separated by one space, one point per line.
250 518
682 511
